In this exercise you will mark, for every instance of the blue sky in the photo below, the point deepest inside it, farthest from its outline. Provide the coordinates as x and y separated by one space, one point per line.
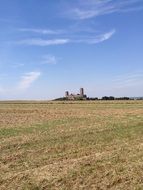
50 46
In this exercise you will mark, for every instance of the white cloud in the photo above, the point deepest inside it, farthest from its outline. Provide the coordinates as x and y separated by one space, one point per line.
49 59
87 39
40 31
24 83
94 8
106 36
41 42
102 37
27 80
127 84
84 14
96 39
133 79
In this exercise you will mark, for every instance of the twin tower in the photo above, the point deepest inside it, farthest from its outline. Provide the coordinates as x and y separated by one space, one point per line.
80 96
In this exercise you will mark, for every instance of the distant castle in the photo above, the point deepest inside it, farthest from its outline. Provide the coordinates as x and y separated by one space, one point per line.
80 96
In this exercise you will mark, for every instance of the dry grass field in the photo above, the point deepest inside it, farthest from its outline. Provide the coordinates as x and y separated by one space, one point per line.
71 145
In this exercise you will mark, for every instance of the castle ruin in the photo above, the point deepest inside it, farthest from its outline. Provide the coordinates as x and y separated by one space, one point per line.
80 96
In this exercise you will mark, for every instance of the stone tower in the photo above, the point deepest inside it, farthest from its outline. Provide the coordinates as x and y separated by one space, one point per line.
66 94
81 91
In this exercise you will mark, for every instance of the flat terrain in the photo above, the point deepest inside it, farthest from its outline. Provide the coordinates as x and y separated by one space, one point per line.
71 145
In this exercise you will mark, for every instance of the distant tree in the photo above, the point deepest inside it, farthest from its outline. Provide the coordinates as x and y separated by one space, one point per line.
108 98
111 98
104 98
94 98
123 98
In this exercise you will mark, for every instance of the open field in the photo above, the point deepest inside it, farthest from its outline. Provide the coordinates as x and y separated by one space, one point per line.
71 145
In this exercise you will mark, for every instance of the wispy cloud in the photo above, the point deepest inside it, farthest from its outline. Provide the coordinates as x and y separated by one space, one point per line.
97 39
42 42
131 79
28 79
87 39
24 83
40 31
81 10
49 59
94 8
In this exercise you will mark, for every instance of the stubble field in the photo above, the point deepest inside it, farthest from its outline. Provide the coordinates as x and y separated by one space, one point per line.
71 145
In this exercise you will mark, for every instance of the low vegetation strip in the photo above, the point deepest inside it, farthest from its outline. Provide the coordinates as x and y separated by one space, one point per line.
72 145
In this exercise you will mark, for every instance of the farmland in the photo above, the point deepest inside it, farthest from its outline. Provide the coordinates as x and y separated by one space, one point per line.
71 145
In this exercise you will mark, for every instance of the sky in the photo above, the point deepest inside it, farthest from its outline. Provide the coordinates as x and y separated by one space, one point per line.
50 46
